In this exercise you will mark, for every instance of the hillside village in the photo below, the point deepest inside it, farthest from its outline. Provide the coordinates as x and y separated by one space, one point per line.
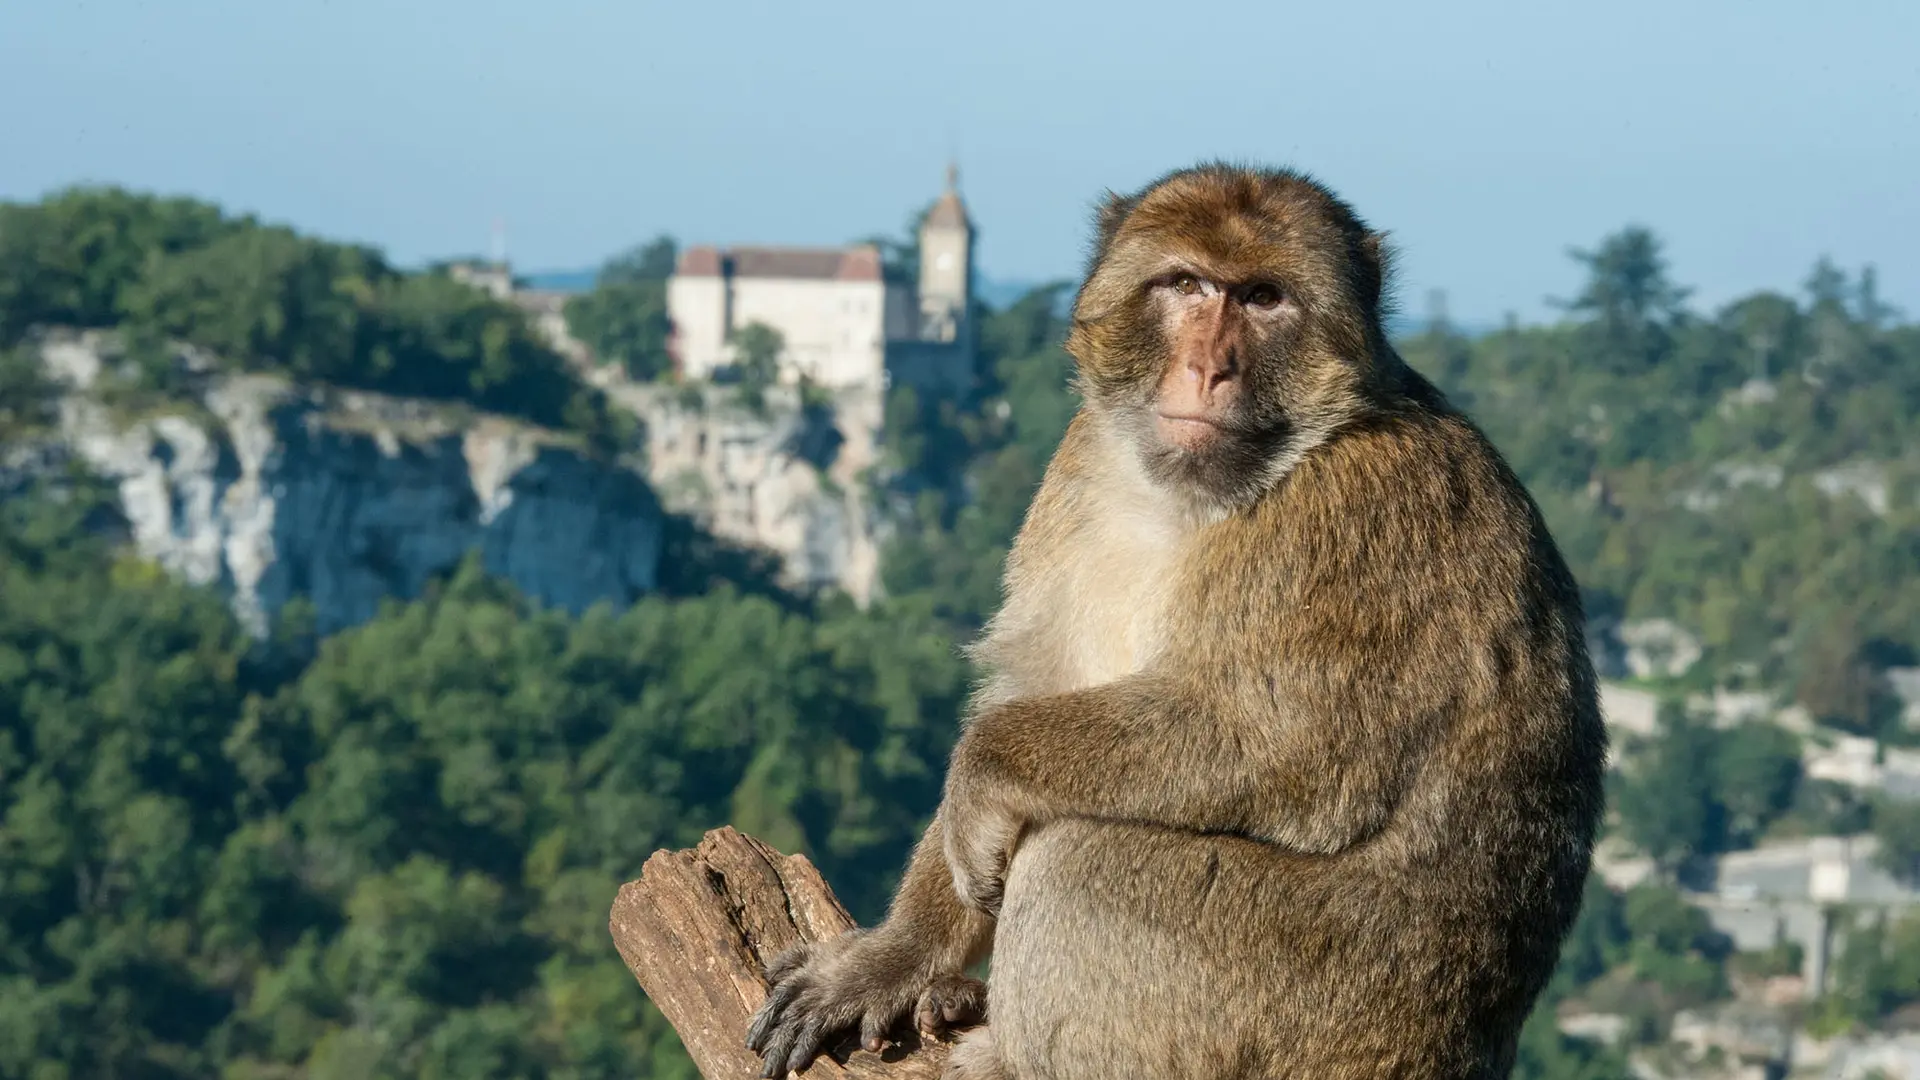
1808 892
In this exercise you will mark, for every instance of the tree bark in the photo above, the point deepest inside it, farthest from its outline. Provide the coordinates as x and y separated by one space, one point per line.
697 931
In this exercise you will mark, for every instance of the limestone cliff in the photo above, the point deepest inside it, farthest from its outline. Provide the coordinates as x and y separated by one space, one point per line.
788 477
273 491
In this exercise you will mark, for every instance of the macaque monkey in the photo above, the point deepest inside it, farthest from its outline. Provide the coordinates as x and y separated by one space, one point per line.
1286 759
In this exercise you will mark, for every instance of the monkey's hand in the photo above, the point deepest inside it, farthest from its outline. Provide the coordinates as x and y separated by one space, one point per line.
862 979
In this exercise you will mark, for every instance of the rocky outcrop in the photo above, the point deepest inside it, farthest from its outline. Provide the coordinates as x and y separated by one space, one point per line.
274 491
788 476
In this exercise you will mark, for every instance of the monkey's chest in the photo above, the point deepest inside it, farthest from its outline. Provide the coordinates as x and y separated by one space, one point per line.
1103 617
1119 634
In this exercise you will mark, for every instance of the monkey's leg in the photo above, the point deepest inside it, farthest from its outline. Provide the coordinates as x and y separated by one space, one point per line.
1106 965
1132 950
870 980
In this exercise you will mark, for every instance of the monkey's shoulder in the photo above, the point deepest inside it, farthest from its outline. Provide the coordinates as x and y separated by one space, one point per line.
1400 484
1409 534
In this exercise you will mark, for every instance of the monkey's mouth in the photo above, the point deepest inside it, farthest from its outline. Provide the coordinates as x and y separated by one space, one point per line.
1189 431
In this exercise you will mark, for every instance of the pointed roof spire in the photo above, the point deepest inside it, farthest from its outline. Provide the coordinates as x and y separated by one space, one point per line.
949 212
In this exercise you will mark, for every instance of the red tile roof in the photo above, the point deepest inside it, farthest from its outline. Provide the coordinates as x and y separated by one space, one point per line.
858 263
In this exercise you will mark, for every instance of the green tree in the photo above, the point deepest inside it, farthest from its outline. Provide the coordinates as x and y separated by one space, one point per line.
1869 308
1836 678
1628 299
28 398
1876 972
900 254
389 853
975 465
1828 807
267 299
1546 1053
1896 824
756 350
117 688
1756 775
624 324
1597 940
263 294
1673 945
757 347
624 318
652 261
68 259
1664 808
438 338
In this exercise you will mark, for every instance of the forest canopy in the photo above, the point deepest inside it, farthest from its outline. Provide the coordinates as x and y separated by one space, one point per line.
263 298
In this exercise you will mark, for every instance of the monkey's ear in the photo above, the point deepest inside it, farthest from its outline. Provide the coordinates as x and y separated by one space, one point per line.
1376 262
1113 212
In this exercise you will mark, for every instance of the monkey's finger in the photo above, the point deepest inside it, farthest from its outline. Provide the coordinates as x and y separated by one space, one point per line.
770 1014
807 1045
873 1030
760 1026
778 1051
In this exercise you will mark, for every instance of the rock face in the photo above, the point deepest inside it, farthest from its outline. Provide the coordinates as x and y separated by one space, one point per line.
273 491
788 477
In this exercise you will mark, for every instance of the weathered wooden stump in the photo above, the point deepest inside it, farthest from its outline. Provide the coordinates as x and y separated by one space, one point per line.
697 930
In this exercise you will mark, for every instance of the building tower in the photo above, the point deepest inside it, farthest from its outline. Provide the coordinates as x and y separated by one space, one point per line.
946 268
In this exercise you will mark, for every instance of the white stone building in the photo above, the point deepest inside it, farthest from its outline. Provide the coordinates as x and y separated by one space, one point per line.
495 277
842 323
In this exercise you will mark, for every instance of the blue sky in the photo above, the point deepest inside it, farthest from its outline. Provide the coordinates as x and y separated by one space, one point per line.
1487 137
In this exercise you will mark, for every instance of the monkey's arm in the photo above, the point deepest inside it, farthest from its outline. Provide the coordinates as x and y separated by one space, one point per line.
870 979
1305 775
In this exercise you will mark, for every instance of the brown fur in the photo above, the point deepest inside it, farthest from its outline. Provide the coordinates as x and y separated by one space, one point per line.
1288 756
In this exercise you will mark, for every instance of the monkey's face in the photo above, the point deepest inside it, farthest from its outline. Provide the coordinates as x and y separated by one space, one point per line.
1227 326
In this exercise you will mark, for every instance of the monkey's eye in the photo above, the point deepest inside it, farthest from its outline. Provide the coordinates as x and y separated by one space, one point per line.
1186 284
1262 296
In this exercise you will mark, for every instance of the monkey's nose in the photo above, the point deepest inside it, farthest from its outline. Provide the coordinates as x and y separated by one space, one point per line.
1211 370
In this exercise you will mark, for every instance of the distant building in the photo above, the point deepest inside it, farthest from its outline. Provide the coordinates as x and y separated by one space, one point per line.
494 277
1789 891
842 322
548 311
